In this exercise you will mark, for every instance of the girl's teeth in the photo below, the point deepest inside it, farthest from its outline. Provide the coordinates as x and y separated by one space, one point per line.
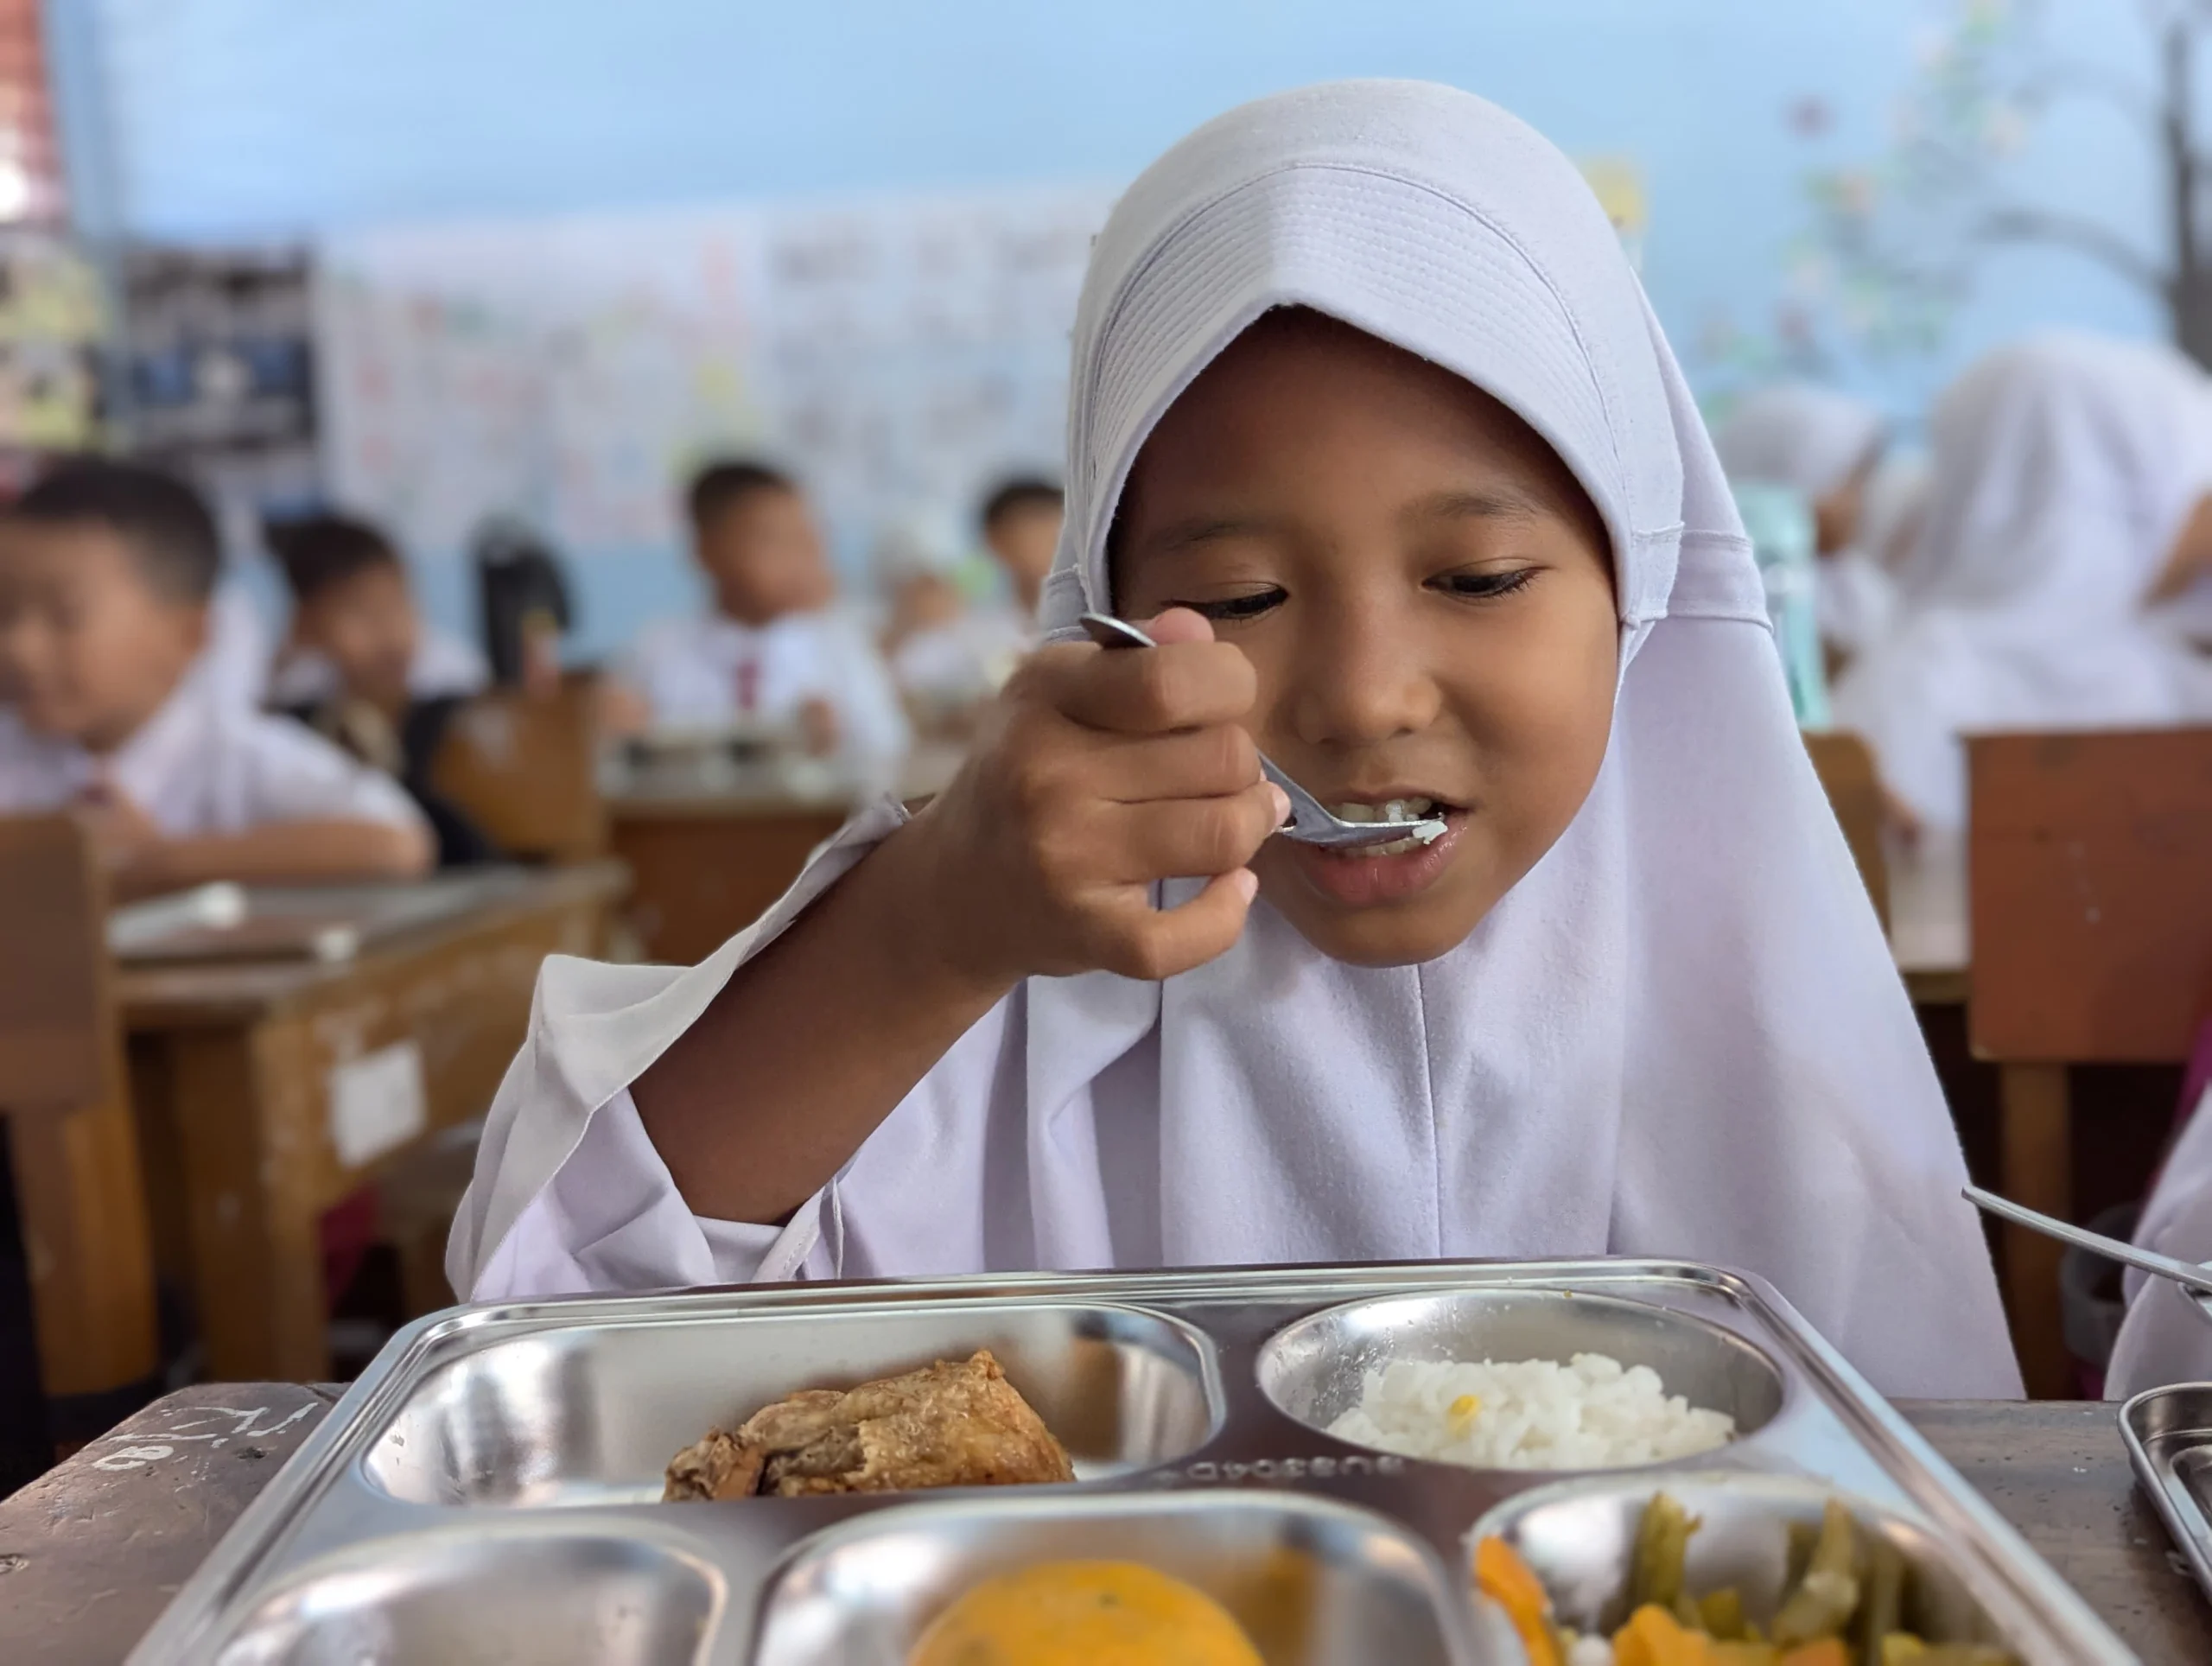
1396 810
1395 848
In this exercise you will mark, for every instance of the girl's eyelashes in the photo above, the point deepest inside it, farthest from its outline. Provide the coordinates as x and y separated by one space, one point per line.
1230 609
1474 587
1484 587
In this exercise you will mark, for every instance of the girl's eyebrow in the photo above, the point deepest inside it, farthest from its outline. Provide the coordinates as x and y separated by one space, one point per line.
1178 535
1488 503
1491 503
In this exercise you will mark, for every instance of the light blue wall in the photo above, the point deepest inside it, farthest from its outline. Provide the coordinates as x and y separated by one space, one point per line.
225 118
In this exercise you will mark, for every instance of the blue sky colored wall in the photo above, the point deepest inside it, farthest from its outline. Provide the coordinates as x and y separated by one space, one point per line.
214 119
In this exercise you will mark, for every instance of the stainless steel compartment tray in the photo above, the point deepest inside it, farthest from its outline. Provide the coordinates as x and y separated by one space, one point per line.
2168 1433
530 1438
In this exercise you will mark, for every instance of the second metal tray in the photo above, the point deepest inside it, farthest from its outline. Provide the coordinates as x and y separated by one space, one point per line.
2168 1433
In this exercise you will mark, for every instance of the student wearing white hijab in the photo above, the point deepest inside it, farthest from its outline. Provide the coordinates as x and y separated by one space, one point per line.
1827 447
1859 593
1812 439
2069 476
2166 1337
1428 466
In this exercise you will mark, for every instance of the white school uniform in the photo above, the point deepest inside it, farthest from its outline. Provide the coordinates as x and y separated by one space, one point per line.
204 765
235 662
964 660
711 671
2065 466
445 667
1680 1036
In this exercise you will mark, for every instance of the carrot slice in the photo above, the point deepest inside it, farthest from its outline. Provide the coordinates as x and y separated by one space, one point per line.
1501 1575
1655 1637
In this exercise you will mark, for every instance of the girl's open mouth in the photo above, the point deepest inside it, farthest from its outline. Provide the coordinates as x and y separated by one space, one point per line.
1363 876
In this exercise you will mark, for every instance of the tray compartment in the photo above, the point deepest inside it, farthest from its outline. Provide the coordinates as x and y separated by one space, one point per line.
2168 1432
587 1414
1314 1370
1313 1582
1580 1537
586 1599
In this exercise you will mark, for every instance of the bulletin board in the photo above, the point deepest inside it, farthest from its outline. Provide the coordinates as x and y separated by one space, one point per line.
899 354
53 318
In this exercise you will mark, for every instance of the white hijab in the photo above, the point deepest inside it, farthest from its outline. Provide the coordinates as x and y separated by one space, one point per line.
1798 434
2065 466
1680 1036
1897 499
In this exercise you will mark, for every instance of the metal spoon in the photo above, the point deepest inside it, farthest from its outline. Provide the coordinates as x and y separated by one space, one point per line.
2185 1273
1310 822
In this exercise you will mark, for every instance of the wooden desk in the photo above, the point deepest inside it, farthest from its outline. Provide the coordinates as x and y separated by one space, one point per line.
91 1552
1927 917
705 865
250 1124
2091 896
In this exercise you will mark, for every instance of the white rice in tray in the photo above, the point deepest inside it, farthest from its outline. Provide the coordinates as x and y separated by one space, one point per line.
1591 1413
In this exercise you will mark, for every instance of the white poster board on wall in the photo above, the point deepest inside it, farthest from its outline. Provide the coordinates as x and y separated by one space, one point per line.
899 355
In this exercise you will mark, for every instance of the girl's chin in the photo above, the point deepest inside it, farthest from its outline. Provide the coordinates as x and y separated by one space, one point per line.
1351 879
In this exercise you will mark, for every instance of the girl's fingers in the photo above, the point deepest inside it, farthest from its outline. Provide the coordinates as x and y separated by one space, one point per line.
1154 943
1187 838
1198 764
1178 625
1142 690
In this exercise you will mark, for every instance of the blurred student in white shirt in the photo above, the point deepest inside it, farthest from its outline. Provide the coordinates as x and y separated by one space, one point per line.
106 569
775 656
1022 529
323 659
948 654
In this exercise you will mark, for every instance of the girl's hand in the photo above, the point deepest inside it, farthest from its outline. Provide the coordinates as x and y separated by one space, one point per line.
1094 775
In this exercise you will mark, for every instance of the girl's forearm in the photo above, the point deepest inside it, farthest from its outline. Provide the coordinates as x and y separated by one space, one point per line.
812 1043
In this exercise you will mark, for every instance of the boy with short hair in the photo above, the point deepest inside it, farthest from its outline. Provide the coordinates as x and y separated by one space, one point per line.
389 685
774 654
105 572
1021 527
356 630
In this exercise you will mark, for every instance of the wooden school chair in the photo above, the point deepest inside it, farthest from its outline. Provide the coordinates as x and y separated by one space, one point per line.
74 1147
1846 766
524 768
2089 877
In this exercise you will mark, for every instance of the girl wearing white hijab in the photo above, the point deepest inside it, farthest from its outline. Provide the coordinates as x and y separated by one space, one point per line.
2166 1337
1814 440
1362 383
1858 593
1827 447
2069 472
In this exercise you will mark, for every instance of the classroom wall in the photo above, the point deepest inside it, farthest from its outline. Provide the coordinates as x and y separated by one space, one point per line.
231 118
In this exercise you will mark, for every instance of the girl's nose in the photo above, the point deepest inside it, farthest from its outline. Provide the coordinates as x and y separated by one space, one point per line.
1361 677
